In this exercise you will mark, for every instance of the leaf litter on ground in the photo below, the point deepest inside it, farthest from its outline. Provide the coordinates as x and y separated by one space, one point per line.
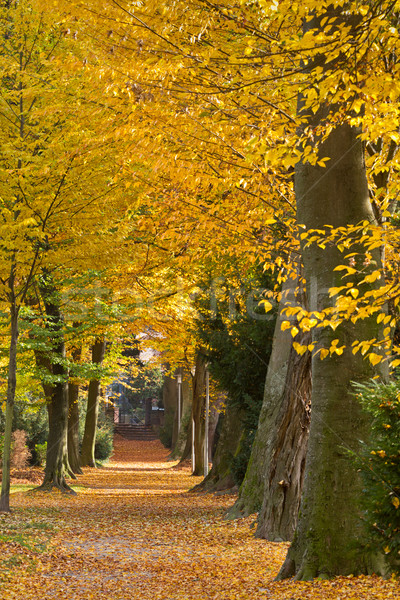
135 531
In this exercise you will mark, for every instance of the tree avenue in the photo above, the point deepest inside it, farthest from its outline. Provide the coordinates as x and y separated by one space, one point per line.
212 137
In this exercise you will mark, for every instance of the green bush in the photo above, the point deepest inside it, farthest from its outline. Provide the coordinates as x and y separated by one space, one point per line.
104 442
379 463
40 453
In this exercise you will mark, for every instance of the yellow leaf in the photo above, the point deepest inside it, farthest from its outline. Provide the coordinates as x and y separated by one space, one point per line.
372 277
354 292
299 348
267 305
294 331
396 501
374 358
285 325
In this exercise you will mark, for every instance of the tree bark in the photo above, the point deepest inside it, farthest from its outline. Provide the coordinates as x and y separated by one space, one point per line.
11 387
272 452
286 452
198 414
220 477
329 536
89 436
57 466
73 419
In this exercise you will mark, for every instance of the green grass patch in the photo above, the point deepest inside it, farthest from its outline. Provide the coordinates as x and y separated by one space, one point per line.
21 487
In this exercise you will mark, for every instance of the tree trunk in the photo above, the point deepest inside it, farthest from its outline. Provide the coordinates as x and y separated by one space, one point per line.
220 477
73 417
11 386
73 428
182 447
198 414
329 535
286 452
265 451
89 436
57 466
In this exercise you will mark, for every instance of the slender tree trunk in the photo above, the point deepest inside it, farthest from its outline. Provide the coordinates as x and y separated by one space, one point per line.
92 411
198 414
73 416
329 536
73 428
182 447
11 386
186 452
73 420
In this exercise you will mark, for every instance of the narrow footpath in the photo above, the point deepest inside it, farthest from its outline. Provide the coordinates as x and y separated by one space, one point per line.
134 531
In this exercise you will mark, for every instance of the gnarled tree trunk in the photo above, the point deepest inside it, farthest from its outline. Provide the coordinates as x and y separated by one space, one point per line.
286 454
280 444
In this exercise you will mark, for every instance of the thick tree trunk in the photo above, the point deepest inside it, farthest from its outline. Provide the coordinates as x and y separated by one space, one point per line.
220 477
11 386
278 396
92 411
57 466
286 453
329 536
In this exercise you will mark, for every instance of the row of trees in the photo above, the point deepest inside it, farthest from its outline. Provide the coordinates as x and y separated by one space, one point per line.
149 148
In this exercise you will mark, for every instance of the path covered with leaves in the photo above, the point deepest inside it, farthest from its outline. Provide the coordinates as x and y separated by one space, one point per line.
134 531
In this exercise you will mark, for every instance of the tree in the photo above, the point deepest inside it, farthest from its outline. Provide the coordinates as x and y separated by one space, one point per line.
57 466
73 416
89 436
329 535
274 478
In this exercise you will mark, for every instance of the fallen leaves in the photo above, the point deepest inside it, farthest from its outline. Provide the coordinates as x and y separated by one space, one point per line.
134 531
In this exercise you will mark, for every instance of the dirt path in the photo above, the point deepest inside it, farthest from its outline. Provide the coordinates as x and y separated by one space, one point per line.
134 531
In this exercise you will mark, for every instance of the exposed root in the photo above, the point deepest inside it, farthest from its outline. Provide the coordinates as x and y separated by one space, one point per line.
49 486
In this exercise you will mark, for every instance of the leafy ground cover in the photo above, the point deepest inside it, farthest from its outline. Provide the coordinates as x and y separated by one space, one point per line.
135 531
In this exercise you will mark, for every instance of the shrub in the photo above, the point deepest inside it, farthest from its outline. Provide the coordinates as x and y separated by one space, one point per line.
20 453
40 453
104 442
33 419
379 463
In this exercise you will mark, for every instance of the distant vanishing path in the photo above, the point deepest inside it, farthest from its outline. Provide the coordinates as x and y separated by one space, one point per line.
134 532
